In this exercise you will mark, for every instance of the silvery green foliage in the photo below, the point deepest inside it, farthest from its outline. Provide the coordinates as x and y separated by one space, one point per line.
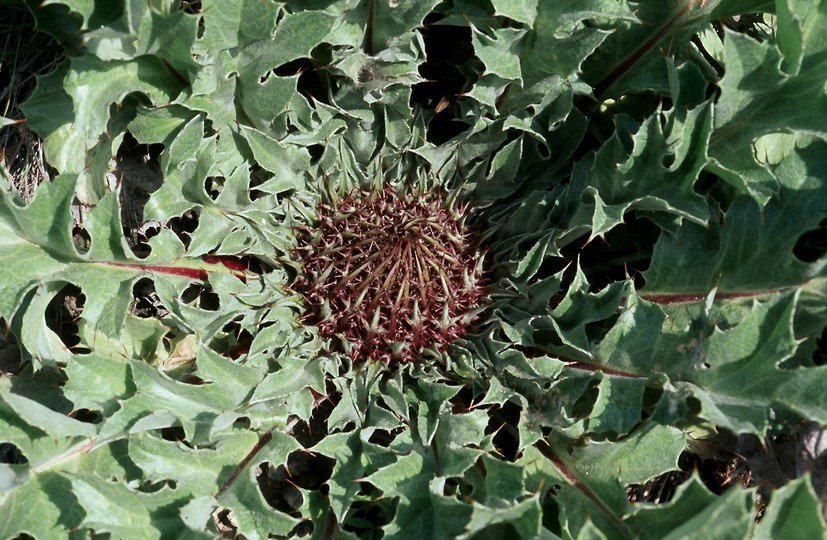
581 128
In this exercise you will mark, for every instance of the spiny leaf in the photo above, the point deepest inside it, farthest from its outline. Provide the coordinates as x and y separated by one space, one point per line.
793 511
39 509
94 86
750 250
694 513
422 511
772 76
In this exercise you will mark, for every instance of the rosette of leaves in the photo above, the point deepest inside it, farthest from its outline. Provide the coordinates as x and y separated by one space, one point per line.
649 204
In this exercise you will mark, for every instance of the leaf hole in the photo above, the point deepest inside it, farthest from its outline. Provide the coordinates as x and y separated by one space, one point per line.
175 434
364 517
244 264
257 177
820 354
224 521
169 338
552 265
142 235
458 488
206 299
584 404
713 187
145 301
191 379
202 26
662 488
81 238
450 69
312 79
233 341
384 437
136 175
651 397
279 489
315 151
303 528
668 160
179 363
596 330
184 226
497 530
11 454
213 185
9 351
62 315
310 434
256 265
87 416
191 7
310 470
625 250
503 423
543 149
461 401
347 428
812 245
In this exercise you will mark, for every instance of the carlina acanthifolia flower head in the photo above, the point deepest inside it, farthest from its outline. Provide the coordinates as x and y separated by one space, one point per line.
390 275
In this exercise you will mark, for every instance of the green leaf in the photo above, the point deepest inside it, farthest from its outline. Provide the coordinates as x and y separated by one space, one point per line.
629 61
793 512
148 31
500 53
750 249
393 22
695 513
255 517
523 11
618 405
7 122
345 449
422 511
203 411
39 257
96 382
49 112
159 125
736 378
114 508
760 79
524 517
95 85
612 462
594 476
53 424
560 41
42 508
619 180
276 157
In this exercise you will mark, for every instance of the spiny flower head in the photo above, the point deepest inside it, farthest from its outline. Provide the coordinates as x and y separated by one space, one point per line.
390 275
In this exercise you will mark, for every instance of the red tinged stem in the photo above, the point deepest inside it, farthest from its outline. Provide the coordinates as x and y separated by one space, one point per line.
181 271
233 264
262 442
688 298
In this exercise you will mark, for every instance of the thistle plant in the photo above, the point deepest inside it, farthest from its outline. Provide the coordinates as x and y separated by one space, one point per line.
651 207
390 275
